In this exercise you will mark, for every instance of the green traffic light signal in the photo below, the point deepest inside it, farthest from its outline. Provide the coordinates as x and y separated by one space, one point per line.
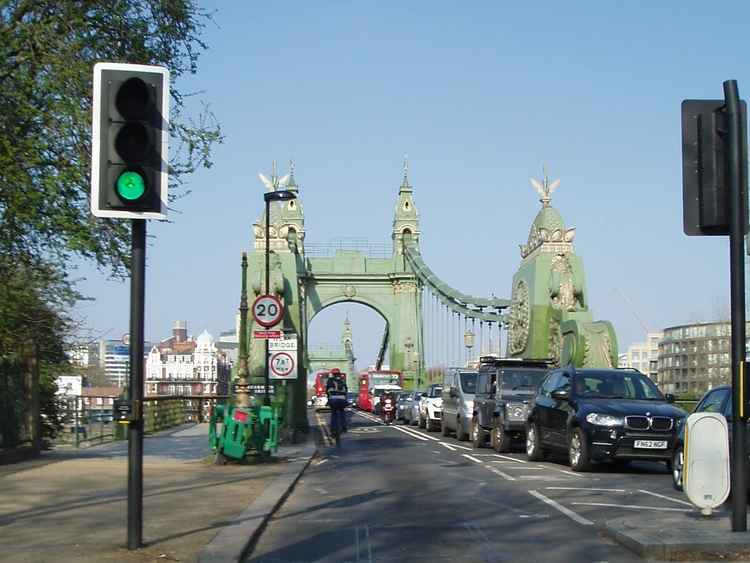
130 185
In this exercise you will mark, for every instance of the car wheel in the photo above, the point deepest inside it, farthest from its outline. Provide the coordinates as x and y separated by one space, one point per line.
444 430
477 436
461 434
578 451
678 461
502 441
534 449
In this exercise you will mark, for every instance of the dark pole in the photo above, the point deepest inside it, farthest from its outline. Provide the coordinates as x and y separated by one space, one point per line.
267 399
135 428
737 220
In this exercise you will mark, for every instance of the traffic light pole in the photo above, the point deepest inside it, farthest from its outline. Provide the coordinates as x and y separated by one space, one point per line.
737 219
135 428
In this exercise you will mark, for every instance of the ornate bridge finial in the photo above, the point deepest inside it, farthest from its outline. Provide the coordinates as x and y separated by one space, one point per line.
545 187
275 183
406 170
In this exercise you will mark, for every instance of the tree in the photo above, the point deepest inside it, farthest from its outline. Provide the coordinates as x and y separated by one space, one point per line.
48 49
47 52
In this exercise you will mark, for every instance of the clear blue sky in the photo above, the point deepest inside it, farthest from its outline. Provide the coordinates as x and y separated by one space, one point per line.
479 95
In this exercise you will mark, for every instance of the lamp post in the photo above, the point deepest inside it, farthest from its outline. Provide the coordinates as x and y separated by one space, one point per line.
469 342
268 197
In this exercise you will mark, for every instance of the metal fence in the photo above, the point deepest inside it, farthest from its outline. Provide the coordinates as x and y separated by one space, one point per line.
89 420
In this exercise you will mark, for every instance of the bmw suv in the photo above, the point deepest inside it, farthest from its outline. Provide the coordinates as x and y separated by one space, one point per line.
602 414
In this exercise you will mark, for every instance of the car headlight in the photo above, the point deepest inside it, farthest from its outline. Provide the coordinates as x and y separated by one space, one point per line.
604 419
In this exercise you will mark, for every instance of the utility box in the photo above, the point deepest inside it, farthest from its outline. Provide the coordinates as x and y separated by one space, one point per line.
706 471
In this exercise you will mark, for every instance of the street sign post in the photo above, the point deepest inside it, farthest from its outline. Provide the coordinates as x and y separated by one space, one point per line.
267 310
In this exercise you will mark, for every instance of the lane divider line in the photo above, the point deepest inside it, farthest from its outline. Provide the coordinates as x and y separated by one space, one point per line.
410 434
557 506
635 506
426 435
665 497
451 448
585 489
511 458
467 456
463 447
500 473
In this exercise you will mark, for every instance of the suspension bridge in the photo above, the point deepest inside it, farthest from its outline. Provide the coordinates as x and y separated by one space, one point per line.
428 324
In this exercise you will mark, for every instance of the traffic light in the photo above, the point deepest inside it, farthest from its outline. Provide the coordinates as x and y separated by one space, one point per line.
705 166
129 160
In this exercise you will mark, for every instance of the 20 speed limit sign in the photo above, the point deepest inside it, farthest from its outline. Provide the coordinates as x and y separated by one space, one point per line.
282 366
267 310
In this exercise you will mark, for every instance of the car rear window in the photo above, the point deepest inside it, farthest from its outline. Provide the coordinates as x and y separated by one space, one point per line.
469 381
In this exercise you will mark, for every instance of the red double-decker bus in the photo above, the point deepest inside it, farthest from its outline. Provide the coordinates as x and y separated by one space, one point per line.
374 378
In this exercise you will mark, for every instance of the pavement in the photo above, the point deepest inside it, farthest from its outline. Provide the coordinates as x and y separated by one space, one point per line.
71 505
681 536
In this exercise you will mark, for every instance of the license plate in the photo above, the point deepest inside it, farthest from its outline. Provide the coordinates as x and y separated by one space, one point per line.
651 444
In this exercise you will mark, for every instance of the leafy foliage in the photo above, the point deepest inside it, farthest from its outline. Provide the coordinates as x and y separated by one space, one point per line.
47 52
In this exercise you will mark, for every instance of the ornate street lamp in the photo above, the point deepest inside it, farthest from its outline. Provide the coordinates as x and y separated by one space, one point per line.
469 341
268 197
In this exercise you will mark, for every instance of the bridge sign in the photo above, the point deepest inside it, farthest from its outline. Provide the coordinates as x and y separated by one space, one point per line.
267 310
282 366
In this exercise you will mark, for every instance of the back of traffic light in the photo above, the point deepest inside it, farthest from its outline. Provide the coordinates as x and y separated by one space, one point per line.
129 158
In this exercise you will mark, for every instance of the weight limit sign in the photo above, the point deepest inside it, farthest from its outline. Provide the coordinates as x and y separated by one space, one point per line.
282 366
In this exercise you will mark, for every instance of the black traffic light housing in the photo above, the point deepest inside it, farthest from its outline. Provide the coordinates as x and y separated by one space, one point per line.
129 160
705 169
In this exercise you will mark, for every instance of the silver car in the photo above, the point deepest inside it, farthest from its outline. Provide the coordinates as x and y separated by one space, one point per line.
410 413
459 386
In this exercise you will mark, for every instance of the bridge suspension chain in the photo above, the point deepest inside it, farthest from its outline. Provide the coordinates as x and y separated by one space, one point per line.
481 308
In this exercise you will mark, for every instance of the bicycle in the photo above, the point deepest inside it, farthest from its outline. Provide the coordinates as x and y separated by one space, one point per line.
337 422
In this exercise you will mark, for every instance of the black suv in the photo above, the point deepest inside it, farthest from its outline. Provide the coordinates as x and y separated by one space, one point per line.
504 389
602 414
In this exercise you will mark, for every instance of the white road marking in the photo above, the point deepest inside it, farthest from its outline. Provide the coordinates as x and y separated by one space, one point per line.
463 447
511 458
426 435
451 448
568 472
410 434
635 506
524 468
585 489
500 461
569 513
665 497
498 472
321 461
467 456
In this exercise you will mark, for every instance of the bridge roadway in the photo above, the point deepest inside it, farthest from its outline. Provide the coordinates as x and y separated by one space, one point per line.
396 493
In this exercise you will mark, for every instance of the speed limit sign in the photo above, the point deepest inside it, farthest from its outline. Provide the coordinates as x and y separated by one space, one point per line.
282 366
267 310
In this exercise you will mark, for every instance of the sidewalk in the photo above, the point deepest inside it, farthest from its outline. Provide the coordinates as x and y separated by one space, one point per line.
681 536
72 505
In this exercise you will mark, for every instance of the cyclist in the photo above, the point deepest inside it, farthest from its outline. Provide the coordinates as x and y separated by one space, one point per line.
336 391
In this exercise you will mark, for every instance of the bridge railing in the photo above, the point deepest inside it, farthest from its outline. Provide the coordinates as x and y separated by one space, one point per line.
330 248
91 422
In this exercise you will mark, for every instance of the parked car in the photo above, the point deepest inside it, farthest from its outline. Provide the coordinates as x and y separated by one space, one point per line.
602 414
403 404
411 409
459 386
718 400
504 388
431 407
